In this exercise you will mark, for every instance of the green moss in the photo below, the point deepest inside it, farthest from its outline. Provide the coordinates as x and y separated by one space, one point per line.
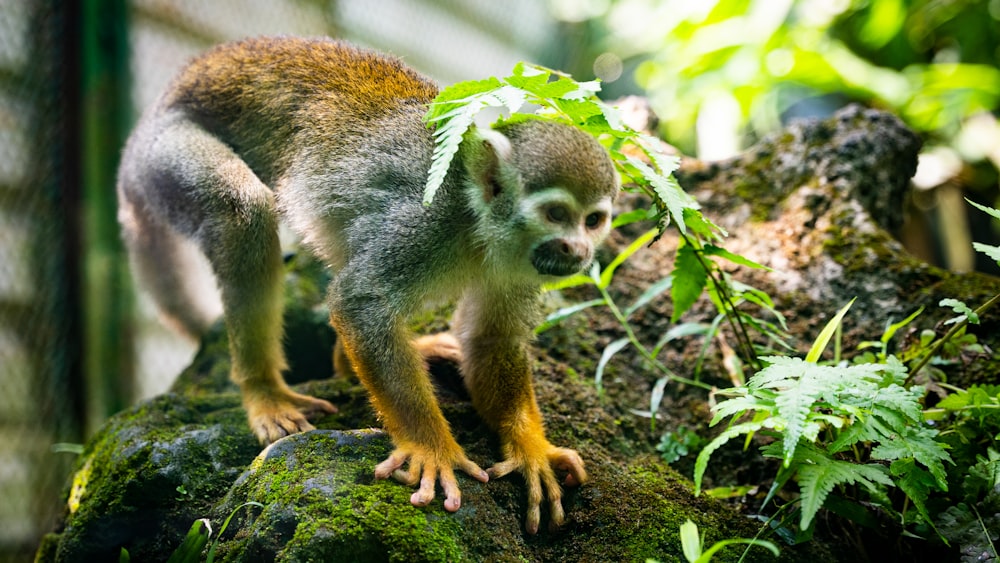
374 523
320 504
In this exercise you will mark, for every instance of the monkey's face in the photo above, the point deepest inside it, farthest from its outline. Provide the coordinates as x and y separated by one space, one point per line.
564 230
542 194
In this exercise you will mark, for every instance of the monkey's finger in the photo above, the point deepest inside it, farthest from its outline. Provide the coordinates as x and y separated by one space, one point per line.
395 460
570 461
556 515
452 494
318 407
425 494
554 493
273 427
503 468
409 477
473 470
534 516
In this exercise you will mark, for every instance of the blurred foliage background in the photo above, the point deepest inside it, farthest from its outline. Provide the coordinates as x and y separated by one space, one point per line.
722 73
74 347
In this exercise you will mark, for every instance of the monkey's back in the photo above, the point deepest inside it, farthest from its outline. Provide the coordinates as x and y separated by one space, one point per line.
258 93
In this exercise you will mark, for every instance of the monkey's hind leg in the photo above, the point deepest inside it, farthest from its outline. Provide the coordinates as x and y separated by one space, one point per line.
197 184
172 270
440 346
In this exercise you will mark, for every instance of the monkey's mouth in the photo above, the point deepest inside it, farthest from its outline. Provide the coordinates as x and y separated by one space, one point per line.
552 259
548 268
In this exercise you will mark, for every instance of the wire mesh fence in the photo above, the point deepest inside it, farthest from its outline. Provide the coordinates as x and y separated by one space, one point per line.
55 298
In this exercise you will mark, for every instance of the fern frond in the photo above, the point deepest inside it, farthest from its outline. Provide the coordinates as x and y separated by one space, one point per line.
915 482
701 463
780 369
448 137
901 400
818 479
666 189
739 405
917 443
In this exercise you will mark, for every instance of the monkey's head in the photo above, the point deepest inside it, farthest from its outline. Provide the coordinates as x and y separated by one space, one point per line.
542 192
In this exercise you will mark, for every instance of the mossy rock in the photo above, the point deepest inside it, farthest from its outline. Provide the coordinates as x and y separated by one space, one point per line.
155 469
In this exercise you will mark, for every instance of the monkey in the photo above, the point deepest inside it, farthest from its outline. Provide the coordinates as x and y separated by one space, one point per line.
329 138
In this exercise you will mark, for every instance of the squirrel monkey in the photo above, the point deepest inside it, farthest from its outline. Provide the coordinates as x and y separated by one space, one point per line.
330 138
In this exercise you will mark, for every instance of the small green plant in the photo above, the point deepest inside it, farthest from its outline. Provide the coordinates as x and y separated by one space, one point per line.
853 432
197 538
675 444
693 545
837 425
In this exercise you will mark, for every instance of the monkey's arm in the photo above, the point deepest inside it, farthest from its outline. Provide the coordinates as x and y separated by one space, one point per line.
494 329
380 350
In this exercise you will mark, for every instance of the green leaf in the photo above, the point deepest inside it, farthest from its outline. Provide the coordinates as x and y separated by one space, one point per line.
447 139
707 556
712 250
919 444
960 308
630 217
609 352
891 330
817 479
652 292
680 331
667 190
689 280
211 551
190 549
794 404
557 317
701 226
451 97
690 541
656 396
915 482
994 212
575 280
824 337
631 249
991 251
739 405
701 463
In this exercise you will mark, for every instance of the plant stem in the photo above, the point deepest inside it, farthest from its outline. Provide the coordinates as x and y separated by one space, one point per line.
739 329
948 336
643 351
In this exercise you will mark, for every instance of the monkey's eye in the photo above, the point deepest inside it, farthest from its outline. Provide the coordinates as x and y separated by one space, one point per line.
594 220
557 214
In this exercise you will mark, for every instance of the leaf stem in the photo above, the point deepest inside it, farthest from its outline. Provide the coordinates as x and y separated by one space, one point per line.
739 329
948 336
630 334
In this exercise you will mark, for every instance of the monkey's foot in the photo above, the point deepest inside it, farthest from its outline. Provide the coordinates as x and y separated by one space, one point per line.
537 462
441 345
275 414
426 467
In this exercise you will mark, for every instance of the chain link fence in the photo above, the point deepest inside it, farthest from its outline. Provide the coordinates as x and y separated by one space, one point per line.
62 371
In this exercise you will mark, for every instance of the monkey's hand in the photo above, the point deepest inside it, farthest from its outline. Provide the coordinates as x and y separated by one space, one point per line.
276 412
427 466
537 459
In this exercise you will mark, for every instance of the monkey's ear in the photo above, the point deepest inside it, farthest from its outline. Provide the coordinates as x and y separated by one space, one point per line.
484 151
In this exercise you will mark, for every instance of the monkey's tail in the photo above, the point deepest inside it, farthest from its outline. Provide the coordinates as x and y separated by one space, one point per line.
172 270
